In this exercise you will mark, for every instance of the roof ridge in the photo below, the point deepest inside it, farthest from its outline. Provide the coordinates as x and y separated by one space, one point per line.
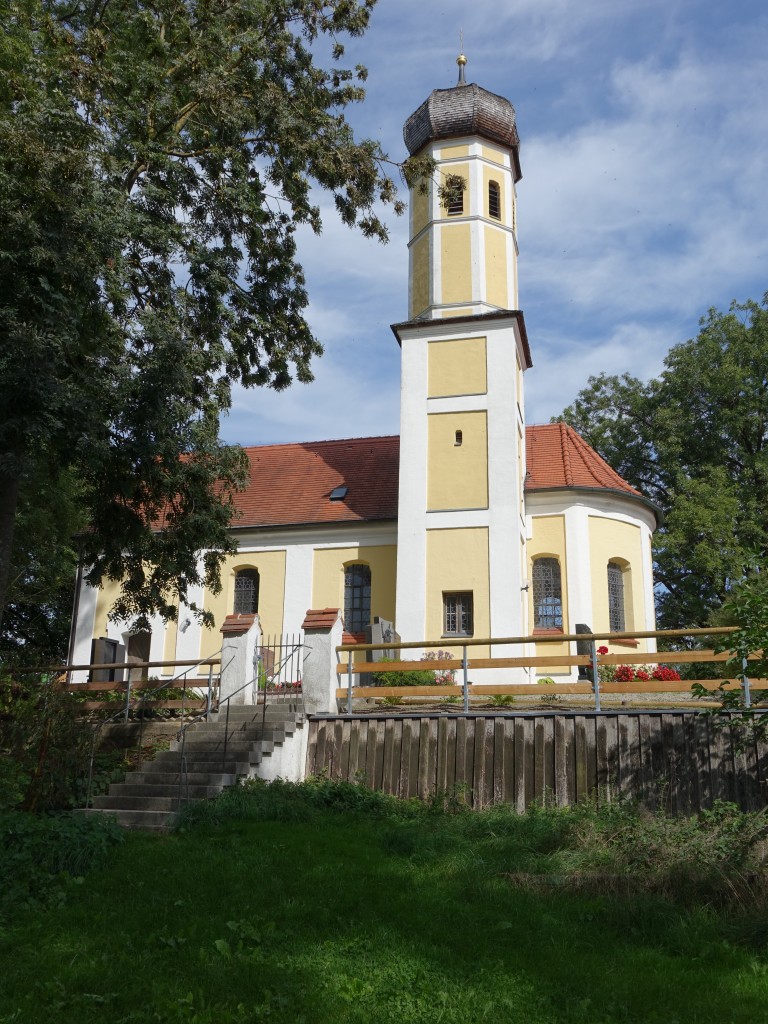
330 440
565 448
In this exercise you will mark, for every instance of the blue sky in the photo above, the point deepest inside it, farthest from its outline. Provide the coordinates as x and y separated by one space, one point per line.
644 149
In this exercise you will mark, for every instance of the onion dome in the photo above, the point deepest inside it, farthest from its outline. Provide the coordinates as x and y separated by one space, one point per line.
464 110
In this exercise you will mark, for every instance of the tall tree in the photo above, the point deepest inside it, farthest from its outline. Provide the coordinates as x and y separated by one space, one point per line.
156 158
695 441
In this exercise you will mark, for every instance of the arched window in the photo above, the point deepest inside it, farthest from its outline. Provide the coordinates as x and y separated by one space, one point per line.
246 592
616 615
547 594
494 200
357 598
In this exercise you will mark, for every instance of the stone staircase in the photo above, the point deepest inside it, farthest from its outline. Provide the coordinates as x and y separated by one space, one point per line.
149 798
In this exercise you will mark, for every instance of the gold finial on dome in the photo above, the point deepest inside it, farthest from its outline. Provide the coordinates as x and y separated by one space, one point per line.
461 60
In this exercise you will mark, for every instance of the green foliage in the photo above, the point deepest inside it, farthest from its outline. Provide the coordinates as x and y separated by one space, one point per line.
155 164
45 746
694 441
40 856
747 610
387 917
407 677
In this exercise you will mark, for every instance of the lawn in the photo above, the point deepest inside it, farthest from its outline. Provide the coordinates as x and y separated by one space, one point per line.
328 906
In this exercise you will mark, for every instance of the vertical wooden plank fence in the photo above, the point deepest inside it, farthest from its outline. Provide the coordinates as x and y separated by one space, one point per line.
675 760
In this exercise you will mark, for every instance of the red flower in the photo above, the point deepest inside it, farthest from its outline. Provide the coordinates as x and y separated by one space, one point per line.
624 674
602 650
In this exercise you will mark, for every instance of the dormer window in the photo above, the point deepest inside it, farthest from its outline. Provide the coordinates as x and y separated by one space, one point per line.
494 200
338 493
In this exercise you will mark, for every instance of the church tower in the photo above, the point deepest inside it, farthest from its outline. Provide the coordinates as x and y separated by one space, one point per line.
461 522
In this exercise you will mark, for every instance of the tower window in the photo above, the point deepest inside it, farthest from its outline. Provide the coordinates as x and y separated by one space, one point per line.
457 614
357 597
247 592
547 594
459 439
616 616
494 200
451 194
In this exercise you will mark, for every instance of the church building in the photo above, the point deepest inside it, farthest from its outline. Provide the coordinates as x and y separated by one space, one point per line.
470 523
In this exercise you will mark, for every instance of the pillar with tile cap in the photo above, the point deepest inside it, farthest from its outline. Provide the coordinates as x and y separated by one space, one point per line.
241 640
323 629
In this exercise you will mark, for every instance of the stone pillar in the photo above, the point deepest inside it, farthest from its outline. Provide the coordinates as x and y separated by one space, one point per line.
241 639
323 630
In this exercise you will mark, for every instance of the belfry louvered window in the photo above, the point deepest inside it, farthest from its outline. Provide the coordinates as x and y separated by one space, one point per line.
246 592
357 598
547 594
494 200
616 617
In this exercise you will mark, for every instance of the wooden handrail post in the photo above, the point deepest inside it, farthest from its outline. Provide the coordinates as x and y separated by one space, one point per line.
210 691
349 684
466 678
595 676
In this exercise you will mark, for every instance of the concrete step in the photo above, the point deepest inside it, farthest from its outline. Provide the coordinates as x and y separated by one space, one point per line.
228 767
136 803
212 744
212 756
183 790
150 778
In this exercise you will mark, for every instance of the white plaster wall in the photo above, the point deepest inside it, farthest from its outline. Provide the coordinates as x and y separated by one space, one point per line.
86 620
412 517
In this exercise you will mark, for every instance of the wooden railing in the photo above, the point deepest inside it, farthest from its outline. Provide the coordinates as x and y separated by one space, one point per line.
590 664
136 694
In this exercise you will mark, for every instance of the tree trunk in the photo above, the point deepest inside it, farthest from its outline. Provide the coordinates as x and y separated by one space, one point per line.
9 500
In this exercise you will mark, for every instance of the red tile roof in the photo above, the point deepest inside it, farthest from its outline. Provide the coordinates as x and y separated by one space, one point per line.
290 484
557 456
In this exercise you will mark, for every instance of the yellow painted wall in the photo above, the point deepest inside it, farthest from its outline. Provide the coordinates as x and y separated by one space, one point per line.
457 475
459 311
610 540
328 576
457 367
460 169
169 643
492 153
496 266
271 567
456 263
420 271
453 152
549 540
457 561
106 597
419 208
492 174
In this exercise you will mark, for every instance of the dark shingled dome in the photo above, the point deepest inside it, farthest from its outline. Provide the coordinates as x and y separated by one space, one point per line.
464 110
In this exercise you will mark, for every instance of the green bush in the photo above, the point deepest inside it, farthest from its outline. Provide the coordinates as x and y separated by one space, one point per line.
409 677
40 855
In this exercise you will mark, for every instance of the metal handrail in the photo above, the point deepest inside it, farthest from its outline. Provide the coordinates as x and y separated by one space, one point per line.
145 696
182 734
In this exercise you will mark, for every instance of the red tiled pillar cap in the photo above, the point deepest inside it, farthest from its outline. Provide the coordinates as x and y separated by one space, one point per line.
321 618
237 624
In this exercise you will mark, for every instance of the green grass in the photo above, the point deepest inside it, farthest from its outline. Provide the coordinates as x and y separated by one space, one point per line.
330 904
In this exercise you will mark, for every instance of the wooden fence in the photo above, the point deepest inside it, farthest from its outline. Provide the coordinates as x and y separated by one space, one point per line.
676 760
